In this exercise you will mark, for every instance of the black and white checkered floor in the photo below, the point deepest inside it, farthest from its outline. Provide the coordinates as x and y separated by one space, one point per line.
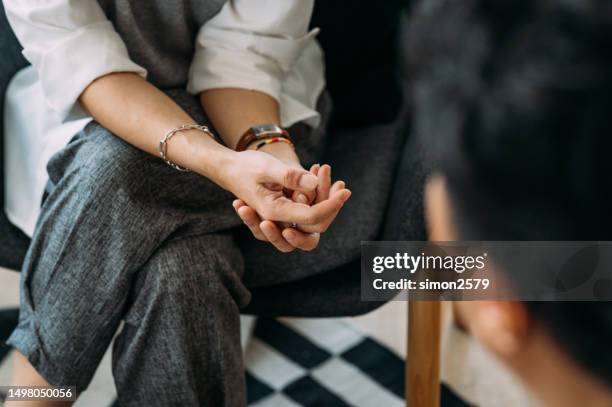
296 362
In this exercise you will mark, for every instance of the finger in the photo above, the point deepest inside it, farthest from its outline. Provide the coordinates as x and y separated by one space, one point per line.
274 236
338 185
237 204
289 177
314 168
303 241
300 197
252 220
285 210
324 176
249 216
322 226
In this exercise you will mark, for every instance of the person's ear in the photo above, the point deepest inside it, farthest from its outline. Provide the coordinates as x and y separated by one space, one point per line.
502 326
438 214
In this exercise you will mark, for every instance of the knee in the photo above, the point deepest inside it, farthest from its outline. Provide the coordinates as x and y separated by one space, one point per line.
199 271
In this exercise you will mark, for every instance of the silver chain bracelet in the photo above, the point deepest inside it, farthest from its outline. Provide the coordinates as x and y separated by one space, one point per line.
163 143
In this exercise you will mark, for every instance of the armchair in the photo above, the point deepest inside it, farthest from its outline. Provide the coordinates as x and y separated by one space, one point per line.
316 296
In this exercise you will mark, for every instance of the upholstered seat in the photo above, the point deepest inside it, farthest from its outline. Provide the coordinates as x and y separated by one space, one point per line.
335 293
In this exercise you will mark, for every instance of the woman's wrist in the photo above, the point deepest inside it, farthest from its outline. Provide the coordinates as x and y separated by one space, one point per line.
219 163
203 155
283 151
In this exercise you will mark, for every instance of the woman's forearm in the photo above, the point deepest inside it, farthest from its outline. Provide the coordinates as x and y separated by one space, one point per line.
138 112
232 111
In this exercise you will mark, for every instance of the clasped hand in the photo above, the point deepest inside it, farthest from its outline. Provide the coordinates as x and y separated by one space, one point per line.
274 194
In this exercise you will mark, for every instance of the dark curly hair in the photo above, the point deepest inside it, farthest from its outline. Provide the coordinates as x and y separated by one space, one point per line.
514 100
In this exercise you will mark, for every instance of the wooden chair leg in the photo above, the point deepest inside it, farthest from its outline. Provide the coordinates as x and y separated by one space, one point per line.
423 354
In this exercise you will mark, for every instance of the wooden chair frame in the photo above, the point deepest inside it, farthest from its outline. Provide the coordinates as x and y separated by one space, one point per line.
423 353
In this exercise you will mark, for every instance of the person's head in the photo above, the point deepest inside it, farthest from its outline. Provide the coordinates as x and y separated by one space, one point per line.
513 99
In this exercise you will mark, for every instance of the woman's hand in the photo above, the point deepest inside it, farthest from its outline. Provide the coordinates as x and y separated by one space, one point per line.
284 239
260 181
270 183
287 239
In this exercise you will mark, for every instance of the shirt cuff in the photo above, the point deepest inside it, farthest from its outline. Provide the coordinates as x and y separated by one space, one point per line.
67 69
233 59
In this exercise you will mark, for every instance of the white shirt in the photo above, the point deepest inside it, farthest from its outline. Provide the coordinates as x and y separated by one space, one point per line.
260 45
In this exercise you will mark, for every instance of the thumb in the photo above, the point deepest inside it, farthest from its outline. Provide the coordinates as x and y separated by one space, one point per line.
292 178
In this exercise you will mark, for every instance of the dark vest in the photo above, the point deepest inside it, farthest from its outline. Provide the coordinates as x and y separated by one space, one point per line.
160 34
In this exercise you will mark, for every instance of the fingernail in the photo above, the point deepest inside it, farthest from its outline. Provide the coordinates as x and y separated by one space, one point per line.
290 234
308 181
346 196
301 198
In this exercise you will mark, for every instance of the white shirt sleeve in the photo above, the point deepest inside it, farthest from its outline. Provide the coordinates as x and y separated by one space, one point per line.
251 45
70 43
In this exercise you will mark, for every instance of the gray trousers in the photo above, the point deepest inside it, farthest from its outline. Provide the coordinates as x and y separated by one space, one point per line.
122 236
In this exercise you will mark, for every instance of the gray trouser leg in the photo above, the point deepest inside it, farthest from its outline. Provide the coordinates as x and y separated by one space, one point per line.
182 328
115 220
